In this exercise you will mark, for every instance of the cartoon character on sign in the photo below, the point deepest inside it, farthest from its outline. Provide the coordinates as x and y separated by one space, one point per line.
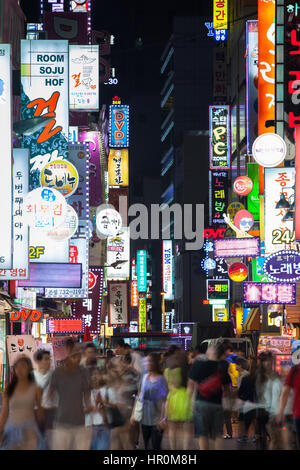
244 220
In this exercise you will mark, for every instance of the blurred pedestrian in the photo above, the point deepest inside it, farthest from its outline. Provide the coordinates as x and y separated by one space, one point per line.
291 385
70 382
247 400
18 428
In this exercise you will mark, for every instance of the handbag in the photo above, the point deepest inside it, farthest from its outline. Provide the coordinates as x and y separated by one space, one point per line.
116 418
211 386
138 411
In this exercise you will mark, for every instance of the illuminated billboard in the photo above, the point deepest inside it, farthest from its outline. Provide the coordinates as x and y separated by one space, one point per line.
219 137
119 125
269 293
279 233
44 93
236 247
220 18
118 168
118 303
167 269
84 77
217 289
6 160
141 270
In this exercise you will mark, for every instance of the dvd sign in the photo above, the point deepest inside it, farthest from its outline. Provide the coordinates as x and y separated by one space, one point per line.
26 315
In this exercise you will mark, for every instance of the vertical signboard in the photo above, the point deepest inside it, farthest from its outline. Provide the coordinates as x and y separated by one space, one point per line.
220 14
119 125
279 233
93 139
142 315
252 82
220 75
218 196
118 303
266 66
134 294
141 270
219 137
6 162
90 309
253 197
84 77
118 167
167 269
118 255
44 93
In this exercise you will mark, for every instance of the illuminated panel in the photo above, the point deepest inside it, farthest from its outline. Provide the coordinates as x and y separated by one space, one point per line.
118 167
62 325
251 82
220 18
53 275
141 270
217 289
134 294
283 266
167 269
232 247
269 293
119 126
84 77
219 137
143 315
118 303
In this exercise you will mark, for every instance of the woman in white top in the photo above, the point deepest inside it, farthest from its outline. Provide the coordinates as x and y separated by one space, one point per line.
97 416
18 427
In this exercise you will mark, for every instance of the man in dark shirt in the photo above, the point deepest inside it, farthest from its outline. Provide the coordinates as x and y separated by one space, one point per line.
214 379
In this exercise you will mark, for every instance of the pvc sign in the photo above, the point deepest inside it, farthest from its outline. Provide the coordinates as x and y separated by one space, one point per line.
141 270
269 150
219 137
118 168
279 233
252 82
266 66
217 289
119 126
118 303
60 175
283 266
44 80
6 154
167 269
235 247
269 293
84 77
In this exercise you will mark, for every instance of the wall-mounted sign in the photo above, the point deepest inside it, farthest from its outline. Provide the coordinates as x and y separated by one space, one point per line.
44 208
118 255
63 325
238 272
220 14
67 25
167 269
94 141
258 274
20 344
108 221
141 270
219 137
142 315
119 126
67 229
244 220
233 209
253 197
269 150
84 77
26 315
217 289
53 275
118 303
220 314
242 185
279 233
218 196
6 161
269 293
44 81
134 294
283 266
233 247
118 167
80 6
60 175
252 82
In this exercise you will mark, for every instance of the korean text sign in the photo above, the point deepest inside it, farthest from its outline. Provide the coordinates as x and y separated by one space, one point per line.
219 137
279 233
217 289
118 255
6 162
142 315
118 303
84 77
218 196
283 266
269 293
119 126
44 93
220 14
141 270
118 167
167 269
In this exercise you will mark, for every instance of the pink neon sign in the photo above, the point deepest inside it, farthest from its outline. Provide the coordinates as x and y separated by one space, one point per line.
269 293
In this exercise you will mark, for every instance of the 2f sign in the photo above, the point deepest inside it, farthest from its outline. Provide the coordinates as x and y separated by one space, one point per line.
26 315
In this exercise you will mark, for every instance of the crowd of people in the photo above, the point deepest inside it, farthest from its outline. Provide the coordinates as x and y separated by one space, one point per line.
125 400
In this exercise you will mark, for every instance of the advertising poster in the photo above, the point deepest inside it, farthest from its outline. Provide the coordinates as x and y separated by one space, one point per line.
119 126
252 83
118 255
84 77
44 93
118 168
279 233
90 308
6 160
59 348
118 303
219 137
